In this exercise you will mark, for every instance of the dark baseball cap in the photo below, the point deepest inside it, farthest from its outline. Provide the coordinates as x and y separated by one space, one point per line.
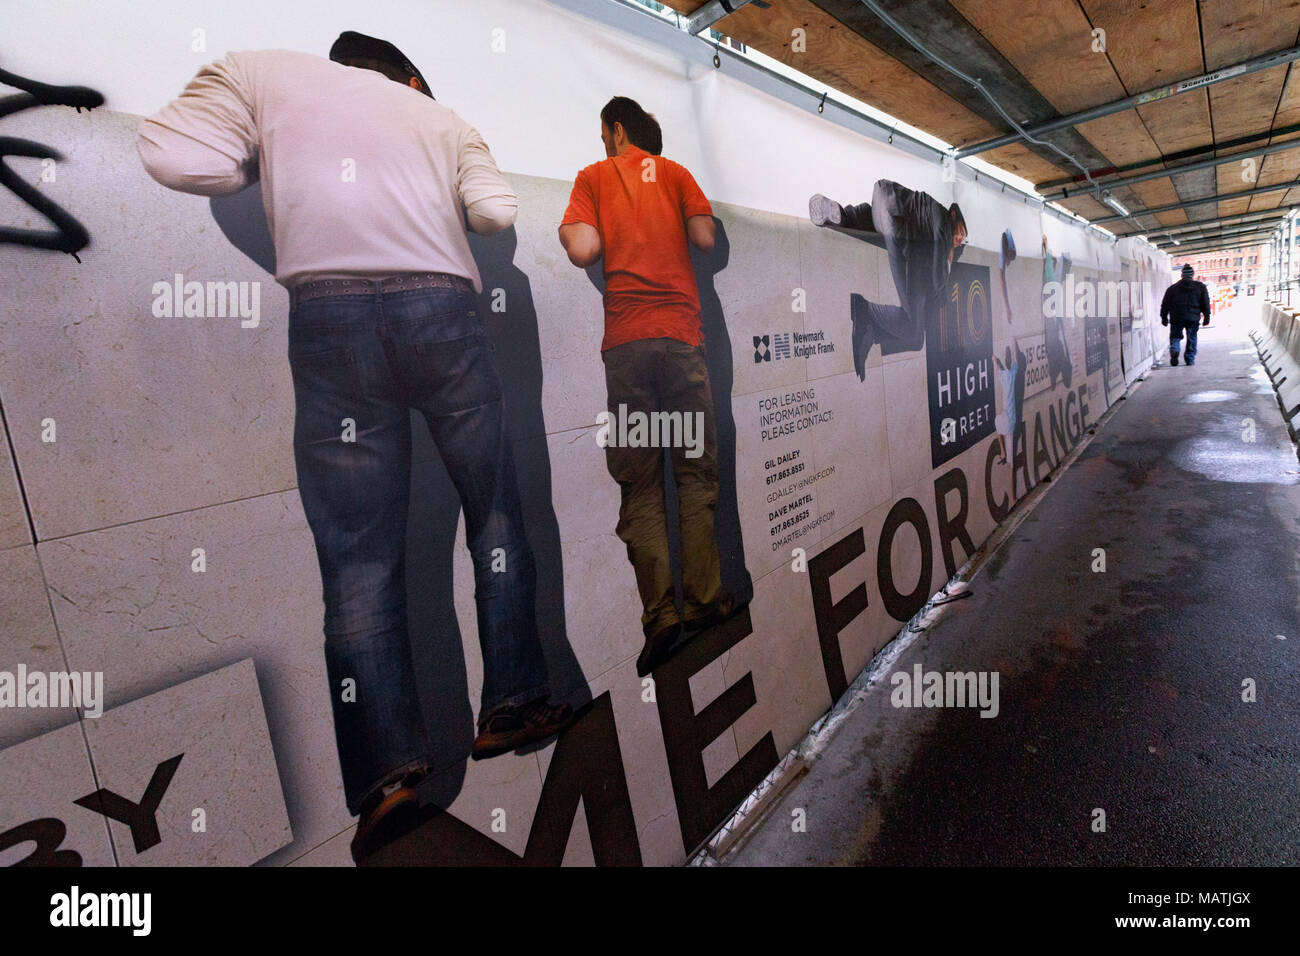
351 44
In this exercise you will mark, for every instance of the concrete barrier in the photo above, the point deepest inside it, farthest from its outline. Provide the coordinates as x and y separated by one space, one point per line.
1278 345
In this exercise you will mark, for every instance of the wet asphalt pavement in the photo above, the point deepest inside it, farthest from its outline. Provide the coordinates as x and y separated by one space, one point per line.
1118 691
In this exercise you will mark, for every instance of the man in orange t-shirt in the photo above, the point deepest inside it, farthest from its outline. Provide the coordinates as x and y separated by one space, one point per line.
638 211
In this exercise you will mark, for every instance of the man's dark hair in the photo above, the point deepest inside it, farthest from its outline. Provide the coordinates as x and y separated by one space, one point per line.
377 66
642 128
958 220
370 53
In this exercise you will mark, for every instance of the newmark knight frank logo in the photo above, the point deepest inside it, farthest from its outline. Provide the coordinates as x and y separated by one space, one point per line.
783 345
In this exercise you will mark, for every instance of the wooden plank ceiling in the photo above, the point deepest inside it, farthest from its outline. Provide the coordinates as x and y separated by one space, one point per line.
1037 58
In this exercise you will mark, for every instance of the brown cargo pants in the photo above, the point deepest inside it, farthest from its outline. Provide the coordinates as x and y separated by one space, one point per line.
666 376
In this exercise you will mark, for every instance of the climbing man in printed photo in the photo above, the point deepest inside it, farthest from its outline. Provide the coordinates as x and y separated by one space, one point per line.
923 238
383 319
1182 308
1055 339
638 211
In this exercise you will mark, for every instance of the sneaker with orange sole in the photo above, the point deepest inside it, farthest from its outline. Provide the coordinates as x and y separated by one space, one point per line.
510 728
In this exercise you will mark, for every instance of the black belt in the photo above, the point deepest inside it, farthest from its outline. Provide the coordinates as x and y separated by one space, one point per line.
402 283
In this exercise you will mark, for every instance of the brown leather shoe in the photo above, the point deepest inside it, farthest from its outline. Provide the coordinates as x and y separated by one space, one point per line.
658 648
513 727
719 612
387 816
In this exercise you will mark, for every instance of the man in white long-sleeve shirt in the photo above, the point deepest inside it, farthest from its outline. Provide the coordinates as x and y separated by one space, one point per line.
369 186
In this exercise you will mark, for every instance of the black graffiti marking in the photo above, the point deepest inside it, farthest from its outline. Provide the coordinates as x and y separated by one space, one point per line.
69 235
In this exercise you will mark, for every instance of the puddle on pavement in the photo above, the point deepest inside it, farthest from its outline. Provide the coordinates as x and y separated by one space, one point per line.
1263 385
1226 457
1211 396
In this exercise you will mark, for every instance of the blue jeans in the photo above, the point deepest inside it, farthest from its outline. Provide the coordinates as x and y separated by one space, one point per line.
359 363
1176 329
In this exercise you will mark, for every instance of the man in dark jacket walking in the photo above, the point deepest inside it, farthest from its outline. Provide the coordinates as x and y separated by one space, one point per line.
1185 302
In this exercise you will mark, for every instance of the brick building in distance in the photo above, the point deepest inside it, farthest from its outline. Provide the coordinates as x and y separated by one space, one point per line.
1235 271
